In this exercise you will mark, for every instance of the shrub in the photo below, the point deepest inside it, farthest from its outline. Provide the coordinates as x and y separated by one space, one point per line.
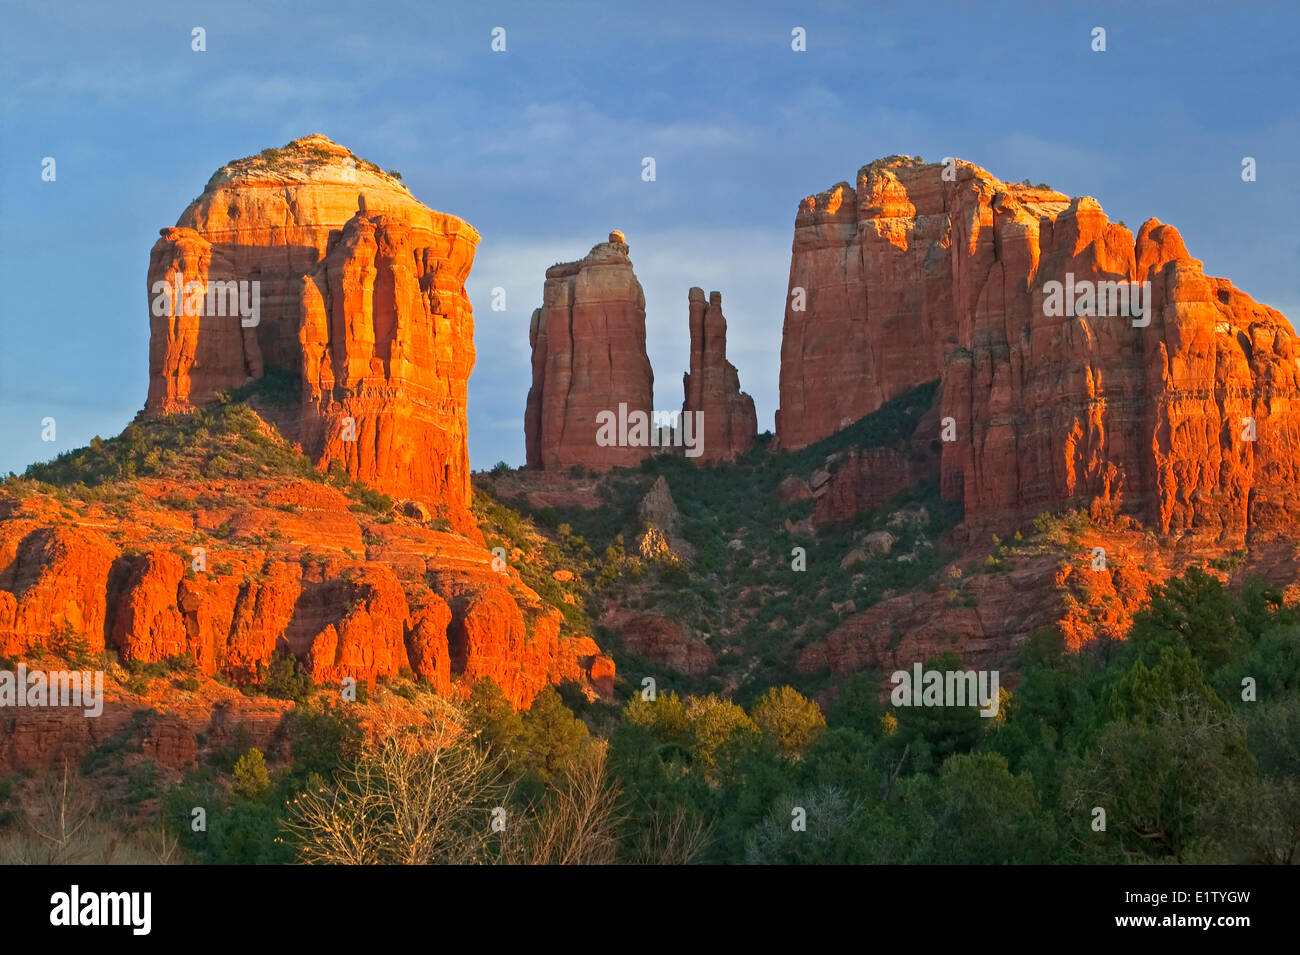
286 678
250 776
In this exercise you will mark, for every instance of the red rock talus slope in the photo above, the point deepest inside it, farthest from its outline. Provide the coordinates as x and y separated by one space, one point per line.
914 276
382 333
712 385
588 342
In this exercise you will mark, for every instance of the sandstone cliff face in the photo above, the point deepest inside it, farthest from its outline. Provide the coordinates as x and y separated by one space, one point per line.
38 738
51 583
869 312
360 292
292 570
589 355
712 386
1049 409
387 348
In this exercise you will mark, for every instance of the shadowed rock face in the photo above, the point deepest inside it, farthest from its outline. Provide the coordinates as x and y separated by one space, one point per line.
360 293
588 342
913 276
712 385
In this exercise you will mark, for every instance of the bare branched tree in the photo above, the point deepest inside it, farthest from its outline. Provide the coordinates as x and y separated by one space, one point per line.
420 795
577 823
63 825
64 809
676 836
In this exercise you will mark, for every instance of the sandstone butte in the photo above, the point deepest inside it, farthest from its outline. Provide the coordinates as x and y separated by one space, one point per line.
362 300
362 297
911 276
588 342
712 385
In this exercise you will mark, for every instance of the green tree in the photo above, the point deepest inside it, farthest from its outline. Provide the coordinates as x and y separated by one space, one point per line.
665 716
491 716
858 705
814 828
936 732
250 777
1147 693
552 738
789 720
1194 610
978 812
846 759
720 732
1172 770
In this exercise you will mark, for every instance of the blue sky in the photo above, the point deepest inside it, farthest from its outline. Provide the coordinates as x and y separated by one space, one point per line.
540 149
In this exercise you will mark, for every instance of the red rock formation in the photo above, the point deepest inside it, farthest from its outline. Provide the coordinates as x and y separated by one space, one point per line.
589 356
712 386
492 637
350 595
1223 367
987 618
52 582
868 314
381 332
387 348
793 488
426 642
36 738
370 639
147 623
916 275
865 480
660 640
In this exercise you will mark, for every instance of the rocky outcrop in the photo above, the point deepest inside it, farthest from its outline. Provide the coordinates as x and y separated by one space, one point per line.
354 286
712 386
52 584
589 356
863 481
661 526
387 348
369 638
492 637
660 640
347 594
39 738
931 270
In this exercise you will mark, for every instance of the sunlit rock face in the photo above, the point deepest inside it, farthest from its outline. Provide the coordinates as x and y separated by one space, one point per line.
589 356
360 295
1182 415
